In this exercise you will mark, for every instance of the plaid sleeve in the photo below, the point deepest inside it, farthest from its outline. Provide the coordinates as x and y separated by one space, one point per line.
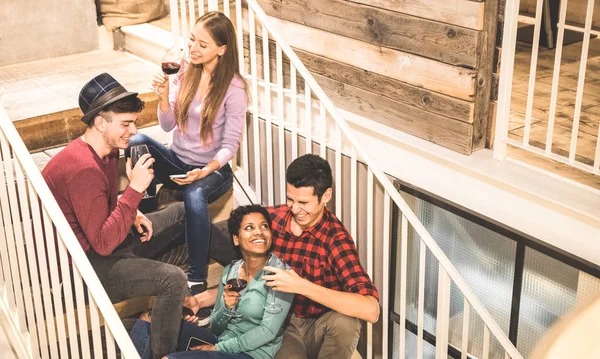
348 268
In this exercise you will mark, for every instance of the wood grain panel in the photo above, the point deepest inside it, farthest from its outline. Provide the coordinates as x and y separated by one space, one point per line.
457 12
442 42
412 69
384 86
440 130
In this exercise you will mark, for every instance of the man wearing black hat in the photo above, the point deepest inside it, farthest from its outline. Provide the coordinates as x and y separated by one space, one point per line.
84 180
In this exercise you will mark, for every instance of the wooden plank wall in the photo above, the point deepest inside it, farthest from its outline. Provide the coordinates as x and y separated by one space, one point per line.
420 66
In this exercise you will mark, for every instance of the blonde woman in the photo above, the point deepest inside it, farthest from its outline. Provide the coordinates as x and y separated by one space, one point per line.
205 104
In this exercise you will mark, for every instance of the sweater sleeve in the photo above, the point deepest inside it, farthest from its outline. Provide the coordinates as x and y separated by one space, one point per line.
235 114
103 230
167 120
218 318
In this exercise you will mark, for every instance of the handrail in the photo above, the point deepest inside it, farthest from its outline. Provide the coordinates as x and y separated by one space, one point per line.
387 184
78 256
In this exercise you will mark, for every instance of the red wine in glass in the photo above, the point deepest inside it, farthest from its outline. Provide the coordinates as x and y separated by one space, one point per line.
170 68
237 284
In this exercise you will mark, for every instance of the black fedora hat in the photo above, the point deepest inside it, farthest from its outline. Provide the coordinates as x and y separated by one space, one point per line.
98 93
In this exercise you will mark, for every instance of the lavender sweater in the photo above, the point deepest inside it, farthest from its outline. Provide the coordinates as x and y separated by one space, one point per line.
227 127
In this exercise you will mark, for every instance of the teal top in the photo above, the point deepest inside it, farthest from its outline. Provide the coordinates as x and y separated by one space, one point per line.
257 333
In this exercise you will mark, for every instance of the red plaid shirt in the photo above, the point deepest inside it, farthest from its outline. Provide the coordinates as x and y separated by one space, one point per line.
324 254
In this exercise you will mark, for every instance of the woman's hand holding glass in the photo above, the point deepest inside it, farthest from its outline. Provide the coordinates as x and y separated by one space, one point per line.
230 298
160 84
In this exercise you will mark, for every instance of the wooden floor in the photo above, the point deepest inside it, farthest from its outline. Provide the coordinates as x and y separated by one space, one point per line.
567 90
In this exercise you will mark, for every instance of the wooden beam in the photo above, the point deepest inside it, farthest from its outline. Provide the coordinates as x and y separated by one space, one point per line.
419 98
58 129
412 69
428 38
486 48
456 12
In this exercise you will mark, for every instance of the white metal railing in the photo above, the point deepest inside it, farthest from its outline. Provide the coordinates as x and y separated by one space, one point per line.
545 146
43 300
304 120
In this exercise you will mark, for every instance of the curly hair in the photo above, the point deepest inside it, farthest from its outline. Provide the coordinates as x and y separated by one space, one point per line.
234 223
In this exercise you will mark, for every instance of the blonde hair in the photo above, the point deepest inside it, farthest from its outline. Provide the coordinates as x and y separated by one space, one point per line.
221 30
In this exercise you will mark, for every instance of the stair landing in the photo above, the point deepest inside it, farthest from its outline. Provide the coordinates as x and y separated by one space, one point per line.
46 86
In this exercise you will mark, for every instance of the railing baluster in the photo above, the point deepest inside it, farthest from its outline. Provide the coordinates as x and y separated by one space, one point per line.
294 120
443 314
403 282
581 80
201 9
268 125
95 324
370 258
486 342
338 172
556 75
240 42
532 71
67 291
226 7
184 29
5 239
24 270
28 193
421 305
110 343
386 274
255 108
323 119
353 195
81 312
465 330
174 24
308 117
55 287
192 13
281 125
7 197
597 155
41 257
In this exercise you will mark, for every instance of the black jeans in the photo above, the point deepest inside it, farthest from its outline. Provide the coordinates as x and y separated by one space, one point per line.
129 272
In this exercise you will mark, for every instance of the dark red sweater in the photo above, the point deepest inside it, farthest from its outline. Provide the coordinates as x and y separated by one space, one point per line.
86 189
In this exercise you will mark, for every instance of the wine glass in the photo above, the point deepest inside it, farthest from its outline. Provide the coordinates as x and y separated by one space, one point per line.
171 62
235 285
136 153
271 306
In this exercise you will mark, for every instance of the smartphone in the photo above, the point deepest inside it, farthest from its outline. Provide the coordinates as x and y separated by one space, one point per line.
183 175
194 342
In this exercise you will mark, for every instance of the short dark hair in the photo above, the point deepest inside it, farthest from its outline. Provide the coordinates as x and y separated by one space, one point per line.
129 104
310 171
234 223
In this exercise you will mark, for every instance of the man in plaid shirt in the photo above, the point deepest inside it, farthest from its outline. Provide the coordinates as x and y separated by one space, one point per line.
333 292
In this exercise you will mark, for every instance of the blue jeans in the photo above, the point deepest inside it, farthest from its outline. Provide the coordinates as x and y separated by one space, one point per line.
196 196
140 335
